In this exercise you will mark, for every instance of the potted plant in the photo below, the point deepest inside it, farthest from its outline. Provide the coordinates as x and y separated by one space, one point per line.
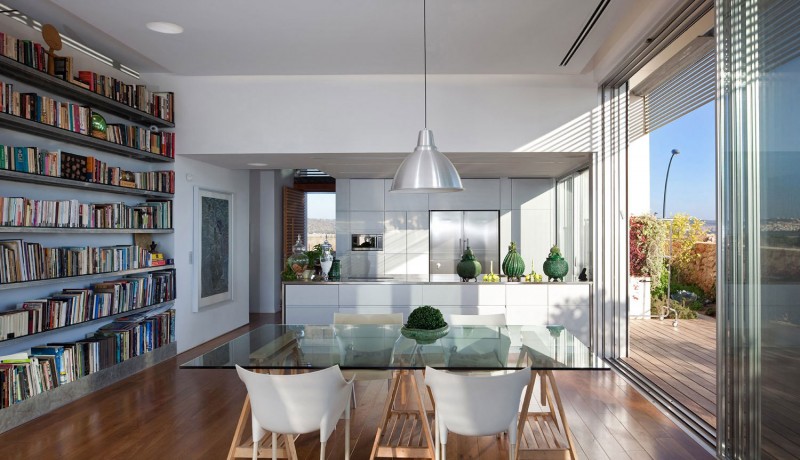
425 325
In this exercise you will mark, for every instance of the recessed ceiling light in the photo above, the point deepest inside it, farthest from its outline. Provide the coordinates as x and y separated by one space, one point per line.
165 27
256 164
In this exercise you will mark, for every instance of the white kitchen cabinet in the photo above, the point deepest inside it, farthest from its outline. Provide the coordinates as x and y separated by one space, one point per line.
366 195
570 306
375 294
463 294
478 195
403 201
307 294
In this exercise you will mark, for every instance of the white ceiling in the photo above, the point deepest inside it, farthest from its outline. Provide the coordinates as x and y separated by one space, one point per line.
355 37
471 165
336 37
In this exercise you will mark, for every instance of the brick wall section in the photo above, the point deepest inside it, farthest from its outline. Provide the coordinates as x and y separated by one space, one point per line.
703 272
777 264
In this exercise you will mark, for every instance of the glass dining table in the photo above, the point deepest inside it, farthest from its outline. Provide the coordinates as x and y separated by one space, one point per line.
476 350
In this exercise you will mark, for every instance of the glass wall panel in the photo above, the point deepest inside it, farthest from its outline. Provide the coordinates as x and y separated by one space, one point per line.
759 213
574 223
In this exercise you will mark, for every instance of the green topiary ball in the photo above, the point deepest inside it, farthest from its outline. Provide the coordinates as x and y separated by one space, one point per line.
425 317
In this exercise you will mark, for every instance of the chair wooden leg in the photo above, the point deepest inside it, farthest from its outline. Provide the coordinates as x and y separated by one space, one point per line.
347 433
436 441
322 450
291 449
274 447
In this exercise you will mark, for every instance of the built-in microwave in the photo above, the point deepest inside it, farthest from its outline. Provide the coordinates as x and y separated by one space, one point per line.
366 242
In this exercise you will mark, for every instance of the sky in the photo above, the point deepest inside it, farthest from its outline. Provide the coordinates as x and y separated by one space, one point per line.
321 205
692 177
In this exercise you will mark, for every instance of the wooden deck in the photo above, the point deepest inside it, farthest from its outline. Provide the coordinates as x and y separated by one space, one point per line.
681 361
166 413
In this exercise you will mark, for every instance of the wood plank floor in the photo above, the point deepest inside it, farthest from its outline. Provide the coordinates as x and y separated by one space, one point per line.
681 361
169 413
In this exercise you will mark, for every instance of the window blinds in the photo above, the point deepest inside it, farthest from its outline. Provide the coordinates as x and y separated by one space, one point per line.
655 104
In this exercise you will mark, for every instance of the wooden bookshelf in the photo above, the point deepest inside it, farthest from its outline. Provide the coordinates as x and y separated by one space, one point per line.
49 332
27 74
40 129
41 179
78 230
44 282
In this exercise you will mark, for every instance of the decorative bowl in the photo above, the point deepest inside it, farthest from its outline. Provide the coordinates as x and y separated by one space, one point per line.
425 336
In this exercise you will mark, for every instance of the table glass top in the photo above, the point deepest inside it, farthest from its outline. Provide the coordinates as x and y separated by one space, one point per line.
277 346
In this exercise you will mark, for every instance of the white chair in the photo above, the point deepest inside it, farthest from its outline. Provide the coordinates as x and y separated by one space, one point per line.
367 319
495 319
475 406
298 404
500 349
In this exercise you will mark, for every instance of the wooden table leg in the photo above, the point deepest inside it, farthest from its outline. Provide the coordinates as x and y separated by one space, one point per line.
240 426
561 445
557 402
396 419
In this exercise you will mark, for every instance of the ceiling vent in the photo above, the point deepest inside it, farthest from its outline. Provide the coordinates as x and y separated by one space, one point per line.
585 31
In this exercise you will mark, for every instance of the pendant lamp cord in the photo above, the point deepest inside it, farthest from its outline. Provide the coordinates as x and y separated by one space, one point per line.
425 54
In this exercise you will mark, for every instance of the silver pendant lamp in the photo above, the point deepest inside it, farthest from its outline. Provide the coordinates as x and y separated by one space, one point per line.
426 170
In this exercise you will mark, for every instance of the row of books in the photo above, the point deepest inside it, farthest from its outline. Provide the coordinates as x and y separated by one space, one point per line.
23 261
158 142
44 109
28 212
30 160
73 306
27 52
83 168
77 118
91 169
45 367
159 104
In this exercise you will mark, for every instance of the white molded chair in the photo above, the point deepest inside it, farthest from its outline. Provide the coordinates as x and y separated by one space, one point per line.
476 406
494 319
488 320
361 319
298 404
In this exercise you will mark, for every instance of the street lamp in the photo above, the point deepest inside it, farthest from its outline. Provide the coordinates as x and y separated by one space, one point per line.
666 179
664 216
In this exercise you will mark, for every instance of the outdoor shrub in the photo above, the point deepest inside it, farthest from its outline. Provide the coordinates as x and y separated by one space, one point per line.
425 317
686 231
647 244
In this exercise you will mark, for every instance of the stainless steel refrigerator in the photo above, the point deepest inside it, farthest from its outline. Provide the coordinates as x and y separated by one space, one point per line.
451 231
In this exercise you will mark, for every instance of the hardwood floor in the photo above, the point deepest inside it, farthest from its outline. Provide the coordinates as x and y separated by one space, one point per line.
169 413
682 361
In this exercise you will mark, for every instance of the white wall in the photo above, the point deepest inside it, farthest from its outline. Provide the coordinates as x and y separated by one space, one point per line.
194 328
374 113
639 176
266 238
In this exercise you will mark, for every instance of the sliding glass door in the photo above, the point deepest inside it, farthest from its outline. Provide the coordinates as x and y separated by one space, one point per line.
758 46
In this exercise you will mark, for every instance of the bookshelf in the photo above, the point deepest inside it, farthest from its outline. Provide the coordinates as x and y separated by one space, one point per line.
18 130
30 178
80 278
23 73
52 132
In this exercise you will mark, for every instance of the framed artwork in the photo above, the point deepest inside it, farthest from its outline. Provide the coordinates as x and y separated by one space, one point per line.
213 230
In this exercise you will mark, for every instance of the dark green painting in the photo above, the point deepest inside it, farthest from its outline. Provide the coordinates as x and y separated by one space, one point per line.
215 240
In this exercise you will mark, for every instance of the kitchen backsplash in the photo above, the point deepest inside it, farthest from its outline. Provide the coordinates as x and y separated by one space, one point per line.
365 206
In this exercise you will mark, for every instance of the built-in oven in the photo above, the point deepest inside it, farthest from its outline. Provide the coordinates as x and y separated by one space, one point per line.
366 242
